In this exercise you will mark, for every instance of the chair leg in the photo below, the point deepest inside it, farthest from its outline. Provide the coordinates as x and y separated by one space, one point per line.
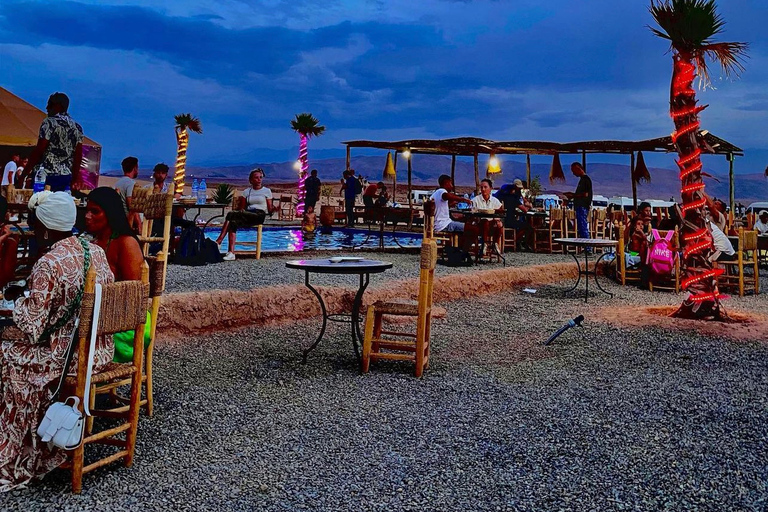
378 321
258 241
365 362
91 406
133 416
78 456
149 388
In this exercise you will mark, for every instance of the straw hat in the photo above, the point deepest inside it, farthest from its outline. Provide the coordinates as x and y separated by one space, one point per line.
517 184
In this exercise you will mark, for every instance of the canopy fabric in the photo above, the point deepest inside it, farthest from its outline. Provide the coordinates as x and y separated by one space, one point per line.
20 122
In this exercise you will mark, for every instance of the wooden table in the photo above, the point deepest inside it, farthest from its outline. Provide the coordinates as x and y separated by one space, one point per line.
200 208
483 215
586 244
361 267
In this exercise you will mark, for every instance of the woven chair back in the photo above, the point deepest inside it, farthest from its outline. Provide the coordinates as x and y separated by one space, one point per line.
747 240
556 214
156 274
598 215
139 199
158 206
123 307
428 260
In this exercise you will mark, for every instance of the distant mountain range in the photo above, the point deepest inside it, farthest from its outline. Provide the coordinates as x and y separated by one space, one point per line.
608 179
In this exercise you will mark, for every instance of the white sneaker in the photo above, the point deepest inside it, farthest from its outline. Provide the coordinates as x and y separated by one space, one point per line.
230 256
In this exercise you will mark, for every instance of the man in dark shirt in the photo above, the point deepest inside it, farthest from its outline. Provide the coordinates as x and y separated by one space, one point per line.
516 207
350 193
582 199
312 190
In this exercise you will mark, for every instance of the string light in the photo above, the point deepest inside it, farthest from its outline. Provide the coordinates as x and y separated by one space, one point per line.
695 248
695 236
709 274
181 161
704 297
694 205
692 188
303 167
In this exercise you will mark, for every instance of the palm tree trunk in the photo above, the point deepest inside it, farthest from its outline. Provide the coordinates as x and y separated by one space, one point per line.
302 190
182 139
700 278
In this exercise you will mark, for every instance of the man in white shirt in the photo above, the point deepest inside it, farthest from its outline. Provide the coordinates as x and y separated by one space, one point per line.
761 225
724 250
490 228
10 170
444 197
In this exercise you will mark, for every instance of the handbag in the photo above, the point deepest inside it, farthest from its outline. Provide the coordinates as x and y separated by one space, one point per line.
63 424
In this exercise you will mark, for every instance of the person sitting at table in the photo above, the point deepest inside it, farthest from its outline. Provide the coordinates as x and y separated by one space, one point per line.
761 224
444 197
253 206
105 221
485 201
516 207
33 354
9 246
372 193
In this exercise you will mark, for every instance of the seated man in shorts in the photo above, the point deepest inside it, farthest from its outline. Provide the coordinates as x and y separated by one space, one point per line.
444 198
254 204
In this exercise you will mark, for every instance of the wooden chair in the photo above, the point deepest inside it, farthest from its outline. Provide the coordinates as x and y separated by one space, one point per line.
671 282
570 230
746 256
154 207
599 223
543 237
286 211
428 230
123 307
416 345
625 275
509 239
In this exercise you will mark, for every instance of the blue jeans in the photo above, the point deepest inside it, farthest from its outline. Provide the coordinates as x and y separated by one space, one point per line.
582 224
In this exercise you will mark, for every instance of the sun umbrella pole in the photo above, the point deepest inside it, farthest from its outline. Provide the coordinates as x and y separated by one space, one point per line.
477 176
732 185
528 170
453 169
410 198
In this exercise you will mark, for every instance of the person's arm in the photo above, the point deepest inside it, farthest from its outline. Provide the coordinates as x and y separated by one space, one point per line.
130 259
450 196
270 206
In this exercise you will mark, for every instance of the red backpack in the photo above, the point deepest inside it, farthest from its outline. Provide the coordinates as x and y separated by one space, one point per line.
661 254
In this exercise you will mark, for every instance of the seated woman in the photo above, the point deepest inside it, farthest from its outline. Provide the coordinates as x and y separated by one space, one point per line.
485 201
32 356
105 220
637 242
252 208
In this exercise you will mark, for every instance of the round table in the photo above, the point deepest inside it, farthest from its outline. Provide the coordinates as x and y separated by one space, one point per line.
361 267
481 214
587 243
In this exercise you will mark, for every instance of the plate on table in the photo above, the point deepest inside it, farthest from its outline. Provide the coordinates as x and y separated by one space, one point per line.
345 259
486 210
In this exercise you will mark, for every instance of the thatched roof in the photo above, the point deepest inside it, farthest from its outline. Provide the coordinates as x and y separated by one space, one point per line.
468 146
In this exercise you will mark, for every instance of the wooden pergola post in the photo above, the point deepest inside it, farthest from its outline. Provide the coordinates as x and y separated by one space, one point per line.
453 169
528 170
632 179
584 160
732 184
410 195
394 178
477 176
349 156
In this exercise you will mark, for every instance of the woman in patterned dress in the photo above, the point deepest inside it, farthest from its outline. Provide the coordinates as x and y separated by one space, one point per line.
30 367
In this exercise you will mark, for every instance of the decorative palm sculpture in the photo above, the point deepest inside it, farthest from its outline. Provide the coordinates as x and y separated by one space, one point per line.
307 127
184 124
689 25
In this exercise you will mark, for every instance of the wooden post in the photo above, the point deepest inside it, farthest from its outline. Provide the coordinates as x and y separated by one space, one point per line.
732 184
584 160
349 157
453 169
632 179
410 198
394 179
477 176
528 169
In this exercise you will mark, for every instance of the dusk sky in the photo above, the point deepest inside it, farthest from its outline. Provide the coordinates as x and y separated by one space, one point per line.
561 70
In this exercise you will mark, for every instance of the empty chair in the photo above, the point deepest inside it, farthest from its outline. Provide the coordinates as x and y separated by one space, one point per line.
543 237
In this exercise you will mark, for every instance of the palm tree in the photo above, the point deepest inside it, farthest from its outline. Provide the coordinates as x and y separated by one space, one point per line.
306 125
689 26
184 124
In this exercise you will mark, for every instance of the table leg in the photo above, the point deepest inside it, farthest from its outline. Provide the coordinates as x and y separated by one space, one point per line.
356 305
597 263
586 273
578 266
325 318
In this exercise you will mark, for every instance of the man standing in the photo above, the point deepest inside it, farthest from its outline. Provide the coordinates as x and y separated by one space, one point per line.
312 190
9 171
124 187
59 150
350 194
582 199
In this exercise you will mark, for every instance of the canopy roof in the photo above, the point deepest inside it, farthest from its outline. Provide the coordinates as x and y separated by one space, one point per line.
468 146
20 122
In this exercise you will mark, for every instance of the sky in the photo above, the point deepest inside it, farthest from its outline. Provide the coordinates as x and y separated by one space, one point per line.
561 70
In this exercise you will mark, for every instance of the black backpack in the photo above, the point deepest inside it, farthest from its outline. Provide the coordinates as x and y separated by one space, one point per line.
456 257
358 186
195 250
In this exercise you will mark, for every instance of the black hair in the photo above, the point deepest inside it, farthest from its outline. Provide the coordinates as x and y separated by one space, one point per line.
489 181
314 171
161 167
129 163
60 99
110 201
442 179
643 206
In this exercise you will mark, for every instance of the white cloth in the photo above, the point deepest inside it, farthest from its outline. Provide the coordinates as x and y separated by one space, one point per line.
257 199
56 210
442 215
481 204
721 241
761 227
10 169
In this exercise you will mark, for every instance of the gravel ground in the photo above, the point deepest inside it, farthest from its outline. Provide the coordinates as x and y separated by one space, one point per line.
607 418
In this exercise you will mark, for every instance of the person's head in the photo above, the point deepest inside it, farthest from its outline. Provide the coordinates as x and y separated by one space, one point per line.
517 185
444 181
637 222
24 161
351 172
256 177
58 103
763 215
54 216
345 174
486 186
577 169
160 172
130 165
644 209
313 173
380 186
16 157
105 215
720 206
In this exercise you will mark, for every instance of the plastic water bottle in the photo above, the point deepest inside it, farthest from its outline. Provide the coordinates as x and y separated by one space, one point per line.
39 185
202 192
195 188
